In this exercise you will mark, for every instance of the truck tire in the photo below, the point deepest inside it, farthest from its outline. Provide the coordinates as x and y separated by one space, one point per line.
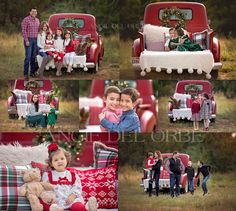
95 69
171 120
12 116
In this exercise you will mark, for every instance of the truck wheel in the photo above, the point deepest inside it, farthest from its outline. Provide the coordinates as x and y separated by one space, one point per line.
213 120
215 73
185 189
171 120
12 116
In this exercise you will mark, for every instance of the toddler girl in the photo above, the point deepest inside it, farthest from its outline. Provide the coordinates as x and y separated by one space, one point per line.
52 117
67 185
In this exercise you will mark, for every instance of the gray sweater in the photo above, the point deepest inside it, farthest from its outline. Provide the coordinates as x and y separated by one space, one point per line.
32 111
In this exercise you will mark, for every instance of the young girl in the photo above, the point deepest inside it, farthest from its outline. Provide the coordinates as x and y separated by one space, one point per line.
59 47
205 112
69 49
43 30
195 112
52 117
184 43
67 185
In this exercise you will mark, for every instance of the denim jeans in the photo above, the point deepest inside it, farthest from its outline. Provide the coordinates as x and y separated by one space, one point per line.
191 185
204 184
39 120
43 54
174 182
30 55
157 178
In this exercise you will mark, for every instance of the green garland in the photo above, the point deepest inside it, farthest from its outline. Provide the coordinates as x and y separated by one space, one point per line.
74 145
168 13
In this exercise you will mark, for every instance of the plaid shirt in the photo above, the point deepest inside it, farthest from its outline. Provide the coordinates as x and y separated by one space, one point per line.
30 27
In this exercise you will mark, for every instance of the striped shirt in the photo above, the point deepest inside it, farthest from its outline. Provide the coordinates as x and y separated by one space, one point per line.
30 27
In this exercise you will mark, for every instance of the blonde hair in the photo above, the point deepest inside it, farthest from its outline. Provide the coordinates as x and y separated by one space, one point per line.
51 154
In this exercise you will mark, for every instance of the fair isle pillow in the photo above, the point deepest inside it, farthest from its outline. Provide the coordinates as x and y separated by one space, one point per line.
104 156
100 183
10 181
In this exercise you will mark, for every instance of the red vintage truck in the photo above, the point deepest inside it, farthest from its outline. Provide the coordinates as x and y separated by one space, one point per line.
86 25
22 93
147 110
196 21
186 90
164 181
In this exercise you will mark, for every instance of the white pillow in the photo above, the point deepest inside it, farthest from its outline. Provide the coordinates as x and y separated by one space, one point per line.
154 33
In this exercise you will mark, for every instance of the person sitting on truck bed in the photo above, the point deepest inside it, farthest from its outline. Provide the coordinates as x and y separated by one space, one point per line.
183 43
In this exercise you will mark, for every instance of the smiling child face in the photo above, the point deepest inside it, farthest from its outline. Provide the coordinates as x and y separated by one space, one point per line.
59 161
112 101
126 102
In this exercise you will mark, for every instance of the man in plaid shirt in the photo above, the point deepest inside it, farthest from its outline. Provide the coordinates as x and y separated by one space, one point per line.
30 26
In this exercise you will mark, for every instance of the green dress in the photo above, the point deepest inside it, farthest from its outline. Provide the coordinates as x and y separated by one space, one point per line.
188 45
52 117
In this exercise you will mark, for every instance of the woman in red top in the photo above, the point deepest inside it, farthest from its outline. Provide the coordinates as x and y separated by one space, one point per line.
69 51
196 106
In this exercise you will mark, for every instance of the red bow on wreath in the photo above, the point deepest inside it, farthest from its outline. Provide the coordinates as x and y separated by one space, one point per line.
52 147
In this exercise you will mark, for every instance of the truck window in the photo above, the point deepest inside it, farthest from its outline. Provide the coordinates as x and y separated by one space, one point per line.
193 87
188 14
79 23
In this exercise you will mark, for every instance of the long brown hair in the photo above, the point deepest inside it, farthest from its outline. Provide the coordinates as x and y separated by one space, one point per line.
36 105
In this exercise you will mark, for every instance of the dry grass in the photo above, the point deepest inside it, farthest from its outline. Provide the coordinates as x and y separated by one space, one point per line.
68 118
12 60
225 118
132 197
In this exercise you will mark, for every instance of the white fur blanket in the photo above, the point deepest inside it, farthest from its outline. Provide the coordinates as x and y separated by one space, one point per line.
201 60
17 154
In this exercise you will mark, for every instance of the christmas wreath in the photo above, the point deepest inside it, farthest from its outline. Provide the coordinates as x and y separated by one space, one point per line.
72 24
168 13
33 86
192 88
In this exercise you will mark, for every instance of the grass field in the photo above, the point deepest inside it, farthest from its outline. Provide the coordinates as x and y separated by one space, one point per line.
228 59
222 190
68 118
12 60
225 118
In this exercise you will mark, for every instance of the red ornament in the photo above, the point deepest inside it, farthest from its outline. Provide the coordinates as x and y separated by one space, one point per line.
52 147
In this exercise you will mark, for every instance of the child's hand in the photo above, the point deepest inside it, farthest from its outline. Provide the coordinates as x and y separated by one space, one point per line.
101 116
70 199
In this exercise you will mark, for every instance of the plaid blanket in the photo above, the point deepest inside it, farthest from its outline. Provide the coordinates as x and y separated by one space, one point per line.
21 98
10 181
